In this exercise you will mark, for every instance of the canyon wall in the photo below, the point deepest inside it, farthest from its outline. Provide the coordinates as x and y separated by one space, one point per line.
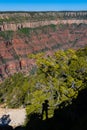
17 20
50 32
15 27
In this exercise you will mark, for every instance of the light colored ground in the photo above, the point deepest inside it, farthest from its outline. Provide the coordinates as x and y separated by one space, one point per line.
17 116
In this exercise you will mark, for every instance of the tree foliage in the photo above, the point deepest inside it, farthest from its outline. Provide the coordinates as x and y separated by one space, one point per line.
58 78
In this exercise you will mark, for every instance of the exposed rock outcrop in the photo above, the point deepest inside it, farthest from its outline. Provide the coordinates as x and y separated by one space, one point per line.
46 35
17 20
15 27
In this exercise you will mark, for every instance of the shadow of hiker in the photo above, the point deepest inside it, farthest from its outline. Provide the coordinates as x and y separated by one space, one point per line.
45 106
71 117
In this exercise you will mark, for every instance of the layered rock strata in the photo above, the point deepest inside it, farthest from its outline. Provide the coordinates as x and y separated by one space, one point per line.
46 35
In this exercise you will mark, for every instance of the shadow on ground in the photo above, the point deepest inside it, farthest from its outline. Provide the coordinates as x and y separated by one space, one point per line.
72 117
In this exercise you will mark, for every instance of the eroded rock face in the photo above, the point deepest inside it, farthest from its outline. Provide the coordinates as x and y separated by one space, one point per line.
15 27
17 20
60 34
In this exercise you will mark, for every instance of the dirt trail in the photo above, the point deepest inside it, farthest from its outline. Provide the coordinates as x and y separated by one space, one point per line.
17 116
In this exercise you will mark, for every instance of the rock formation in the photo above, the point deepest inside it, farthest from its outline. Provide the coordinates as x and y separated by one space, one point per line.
23 33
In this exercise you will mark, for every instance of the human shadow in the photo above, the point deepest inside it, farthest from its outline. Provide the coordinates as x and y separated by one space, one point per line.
71 117
45 106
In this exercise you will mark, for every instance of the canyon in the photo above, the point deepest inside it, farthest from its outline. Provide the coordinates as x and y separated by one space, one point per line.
28 24
24 33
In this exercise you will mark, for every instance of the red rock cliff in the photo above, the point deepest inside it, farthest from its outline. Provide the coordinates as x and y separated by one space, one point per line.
54 35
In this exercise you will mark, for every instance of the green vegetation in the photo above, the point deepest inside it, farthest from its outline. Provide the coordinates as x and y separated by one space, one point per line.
57 78
45 29
7 35
25 31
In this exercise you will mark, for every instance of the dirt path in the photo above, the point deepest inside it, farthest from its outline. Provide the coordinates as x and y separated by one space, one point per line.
17 116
